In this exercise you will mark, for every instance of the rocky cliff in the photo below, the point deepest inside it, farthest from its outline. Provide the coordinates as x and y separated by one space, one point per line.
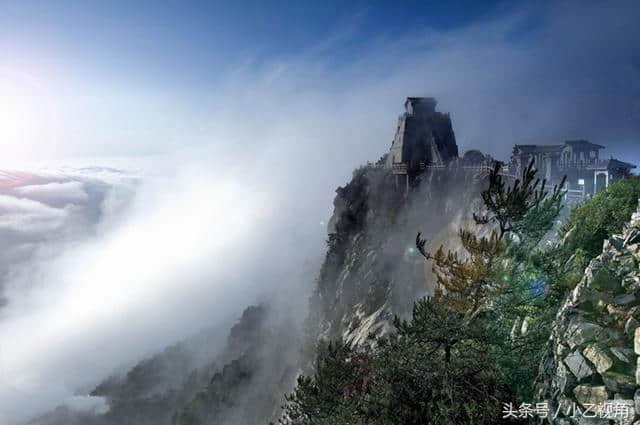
595 342
372 269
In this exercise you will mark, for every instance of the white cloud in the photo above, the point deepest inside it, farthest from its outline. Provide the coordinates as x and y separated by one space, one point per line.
12 205
186 252
69 192
29 216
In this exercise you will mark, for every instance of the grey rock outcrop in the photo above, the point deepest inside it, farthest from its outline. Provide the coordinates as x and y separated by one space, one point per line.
372 270
595 342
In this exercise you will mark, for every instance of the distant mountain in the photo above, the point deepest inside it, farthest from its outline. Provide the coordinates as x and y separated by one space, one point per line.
193 382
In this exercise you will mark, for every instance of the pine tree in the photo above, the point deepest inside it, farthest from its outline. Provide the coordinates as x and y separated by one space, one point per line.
440 365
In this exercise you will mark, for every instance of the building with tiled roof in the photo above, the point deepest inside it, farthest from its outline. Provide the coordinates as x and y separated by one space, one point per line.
579 160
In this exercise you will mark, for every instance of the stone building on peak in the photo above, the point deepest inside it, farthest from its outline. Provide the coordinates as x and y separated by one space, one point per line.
424 137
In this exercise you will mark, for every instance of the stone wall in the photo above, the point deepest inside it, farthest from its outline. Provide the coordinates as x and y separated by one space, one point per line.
592 361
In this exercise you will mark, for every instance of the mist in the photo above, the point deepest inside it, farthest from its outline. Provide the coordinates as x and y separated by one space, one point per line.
139 235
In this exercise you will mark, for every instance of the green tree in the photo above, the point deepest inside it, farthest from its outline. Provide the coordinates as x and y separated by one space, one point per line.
533 278
409 378
494 283
439 367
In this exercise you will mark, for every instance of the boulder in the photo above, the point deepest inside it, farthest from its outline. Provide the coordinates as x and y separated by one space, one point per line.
578 365
618 382
623 354
593 395
581 332
599 356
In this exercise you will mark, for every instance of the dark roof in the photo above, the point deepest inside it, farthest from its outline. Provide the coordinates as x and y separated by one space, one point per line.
614 163
528 149
416 100
583 144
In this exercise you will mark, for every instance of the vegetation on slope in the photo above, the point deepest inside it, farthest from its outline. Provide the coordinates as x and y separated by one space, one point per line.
600 218
476 344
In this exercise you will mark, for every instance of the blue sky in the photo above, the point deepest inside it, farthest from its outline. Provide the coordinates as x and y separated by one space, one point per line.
192 42
118 78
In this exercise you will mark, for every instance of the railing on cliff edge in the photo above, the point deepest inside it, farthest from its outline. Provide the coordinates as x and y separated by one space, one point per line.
402 168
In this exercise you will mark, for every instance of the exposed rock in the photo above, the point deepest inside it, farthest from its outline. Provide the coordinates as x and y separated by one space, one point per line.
578 366
630 326
586 394
372 270
622 411
599 357
615 245
633 237
561 350
580 332
564 378
623 354
600 322
619 382
631 283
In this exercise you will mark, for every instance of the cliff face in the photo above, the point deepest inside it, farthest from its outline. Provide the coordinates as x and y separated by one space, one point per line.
591 359
372 269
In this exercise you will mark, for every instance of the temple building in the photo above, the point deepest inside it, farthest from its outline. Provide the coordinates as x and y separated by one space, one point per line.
423 137
579 160
424 140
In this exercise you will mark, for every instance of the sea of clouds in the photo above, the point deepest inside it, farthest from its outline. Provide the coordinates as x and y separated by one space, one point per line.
100 266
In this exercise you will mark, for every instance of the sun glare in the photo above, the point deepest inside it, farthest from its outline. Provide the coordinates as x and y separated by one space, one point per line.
23 107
